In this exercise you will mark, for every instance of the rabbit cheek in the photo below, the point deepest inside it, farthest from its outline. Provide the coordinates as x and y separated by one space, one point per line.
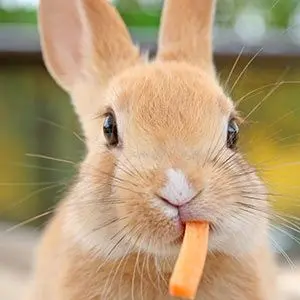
241 209
146 227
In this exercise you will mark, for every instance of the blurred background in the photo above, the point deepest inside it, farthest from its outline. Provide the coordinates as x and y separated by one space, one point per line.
257 54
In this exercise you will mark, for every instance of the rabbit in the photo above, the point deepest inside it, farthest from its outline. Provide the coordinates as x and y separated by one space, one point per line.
161 140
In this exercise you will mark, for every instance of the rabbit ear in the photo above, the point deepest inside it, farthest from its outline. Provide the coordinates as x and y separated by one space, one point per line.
186 32
81 36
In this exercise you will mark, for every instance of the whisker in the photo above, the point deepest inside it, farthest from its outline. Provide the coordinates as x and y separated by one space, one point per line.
106 288
286 233
290 217
50 158
254 92
290 146
134 167
292 226
21 224
27 183
119 265
148 266
121 180
233 67
288 164
34 193
160 273
110 222
115 245
283 253
272 91
134 273
142 277
37 167
253 209
274 4
259 90
54 124
283 117
225 163
137 229
242 174
101 201
255 214
212 147
124 170
130 247
114 177
113 185
280 195
244 70
288 137
219 155
245 195
81 139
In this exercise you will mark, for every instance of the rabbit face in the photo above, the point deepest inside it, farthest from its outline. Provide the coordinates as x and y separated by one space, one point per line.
173 159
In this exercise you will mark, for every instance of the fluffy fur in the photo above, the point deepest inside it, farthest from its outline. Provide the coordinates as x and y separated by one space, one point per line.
114 237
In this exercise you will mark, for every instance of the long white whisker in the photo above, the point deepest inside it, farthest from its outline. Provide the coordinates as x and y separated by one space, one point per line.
50 158
283 253
233 67
245 69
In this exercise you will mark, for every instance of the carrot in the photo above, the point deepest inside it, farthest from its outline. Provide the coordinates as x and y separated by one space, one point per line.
190 263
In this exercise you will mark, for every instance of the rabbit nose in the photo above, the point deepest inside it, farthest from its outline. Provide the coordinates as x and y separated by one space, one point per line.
177 190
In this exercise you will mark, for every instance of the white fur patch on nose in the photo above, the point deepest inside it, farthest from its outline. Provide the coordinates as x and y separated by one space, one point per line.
177 190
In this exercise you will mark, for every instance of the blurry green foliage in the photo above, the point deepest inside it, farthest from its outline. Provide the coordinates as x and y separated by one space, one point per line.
277 13
20 16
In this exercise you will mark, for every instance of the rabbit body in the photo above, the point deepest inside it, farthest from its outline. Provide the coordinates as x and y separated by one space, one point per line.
161 151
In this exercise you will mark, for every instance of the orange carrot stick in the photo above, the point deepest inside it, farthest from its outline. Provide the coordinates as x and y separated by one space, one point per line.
190 263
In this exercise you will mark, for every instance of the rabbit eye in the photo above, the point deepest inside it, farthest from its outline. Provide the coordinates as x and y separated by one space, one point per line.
110 130
232 134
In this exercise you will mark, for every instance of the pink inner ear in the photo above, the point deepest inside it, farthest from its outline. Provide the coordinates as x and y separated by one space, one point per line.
61 33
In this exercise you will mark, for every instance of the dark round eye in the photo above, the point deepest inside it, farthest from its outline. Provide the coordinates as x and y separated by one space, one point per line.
232 134
110 130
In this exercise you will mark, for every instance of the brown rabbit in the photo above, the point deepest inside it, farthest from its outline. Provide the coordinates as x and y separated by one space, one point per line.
161 150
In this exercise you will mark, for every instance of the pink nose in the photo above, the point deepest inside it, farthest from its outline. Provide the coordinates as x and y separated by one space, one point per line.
175 202
177 190
185 212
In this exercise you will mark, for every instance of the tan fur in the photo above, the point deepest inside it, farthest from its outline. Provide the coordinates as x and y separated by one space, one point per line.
112 237
186 33
80 276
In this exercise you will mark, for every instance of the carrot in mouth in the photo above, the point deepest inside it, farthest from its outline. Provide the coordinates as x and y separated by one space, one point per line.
188 269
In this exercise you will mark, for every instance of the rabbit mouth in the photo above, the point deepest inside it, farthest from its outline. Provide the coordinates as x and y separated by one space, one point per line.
178 240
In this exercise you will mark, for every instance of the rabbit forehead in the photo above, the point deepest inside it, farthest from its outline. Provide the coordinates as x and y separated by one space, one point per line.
171 99
166 85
